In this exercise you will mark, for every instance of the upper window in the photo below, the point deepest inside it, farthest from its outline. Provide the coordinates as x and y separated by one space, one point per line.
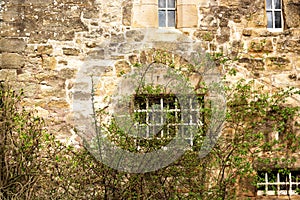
167 13
274 15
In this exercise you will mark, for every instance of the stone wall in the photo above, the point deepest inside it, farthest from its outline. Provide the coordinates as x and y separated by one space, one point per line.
45 44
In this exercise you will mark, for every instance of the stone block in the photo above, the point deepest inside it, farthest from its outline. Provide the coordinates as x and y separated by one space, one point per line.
253 64
126 13
122 67
97 54
145 16
45 49
262 45
224 36
58 104
119 38
49 62
187 16
11 61
134 36
204 35
278 64
208 21
71 51
8 74
12 45
128 48
247 32
289 45
67 73
230 3
292 14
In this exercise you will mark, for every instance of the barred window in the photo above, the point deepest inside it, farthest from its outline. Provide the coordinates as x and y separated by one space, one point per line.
278 182
162 115
167 13
274 15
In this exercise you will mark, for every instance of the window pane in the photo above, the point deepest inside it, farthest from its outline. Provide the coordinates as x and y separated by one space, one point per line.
161 3
269 4
277 4
162 18
171 3
278 19
171 18
270 21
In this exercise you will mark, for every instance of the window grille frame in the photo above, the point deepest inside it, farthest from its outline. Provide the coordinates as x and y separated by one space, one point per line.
192 110
288 183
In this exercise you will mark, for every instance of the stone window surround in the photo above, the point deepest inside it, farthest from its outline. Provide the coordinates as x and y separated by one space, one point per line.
145 14
273 10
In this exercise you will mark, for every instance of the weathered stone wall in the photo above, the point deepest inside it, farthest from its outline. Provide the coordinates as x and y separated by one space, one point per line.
45 44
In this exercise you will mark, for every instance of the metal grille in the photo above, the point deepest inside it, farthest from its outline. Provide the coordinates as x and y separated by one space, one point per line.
275 183
163 116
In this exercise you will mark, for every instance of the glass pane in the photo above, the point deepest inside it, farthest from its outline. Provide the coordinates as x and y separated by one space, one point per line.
277 4
162 18
269 4
171 18
278 19
270 21
171 3
161 3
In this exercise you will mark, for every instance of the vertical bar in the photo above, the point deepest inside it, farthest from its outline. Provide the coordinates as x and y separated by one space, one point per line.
290 183
191 120
278 182
266 180
161 117
147 117
167 6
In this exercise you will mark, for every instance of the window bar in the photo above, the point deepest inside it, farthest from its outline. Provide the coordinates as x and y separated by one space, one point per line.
297 182
191 120
167 9
147 118
273 14
162 117
278 182
176 115
290 183
266 179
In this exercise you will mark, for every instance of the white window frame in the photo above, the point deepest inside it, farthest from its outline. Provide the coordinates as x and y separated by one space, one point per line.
160 110
166 9
273 10
287 182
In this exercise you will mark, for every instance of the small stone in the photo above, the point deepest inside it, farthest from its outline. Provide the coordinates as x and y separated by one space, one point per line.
134 36
11 61
48 62
91 45
8 74
12 45
71 51
122 67
45 49
247 32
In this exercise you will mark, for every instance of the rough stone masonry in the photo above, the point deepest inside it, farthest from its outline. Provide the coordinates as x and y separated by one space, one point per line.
43 44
